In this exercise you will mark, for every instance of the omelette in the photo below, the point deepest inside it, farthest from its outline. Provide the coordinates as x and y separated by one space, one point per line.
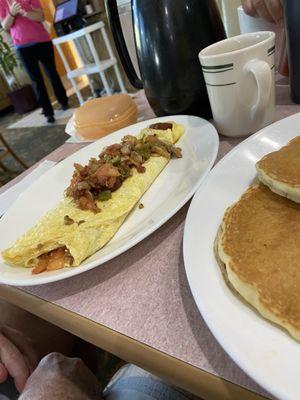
97 202
257 247
280 170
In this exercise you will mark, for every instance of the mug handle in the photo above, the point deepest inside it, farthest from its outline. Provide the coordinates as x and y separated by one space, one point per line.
263 76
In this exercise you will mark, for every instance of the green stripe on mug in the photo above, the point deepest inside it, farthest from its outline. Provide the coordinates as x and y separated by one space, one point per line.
217 72
221 84
271 49
212 67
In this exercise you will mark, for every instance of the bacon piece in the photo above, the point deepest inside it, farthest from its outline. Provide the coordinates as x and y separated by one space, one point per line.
112 150
107 176
53 260
107 170
162 126
41 267
87 203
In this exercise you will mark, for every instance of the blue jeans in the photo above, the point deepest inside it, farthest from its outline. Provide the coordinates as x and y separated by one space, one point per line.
129 383
133 383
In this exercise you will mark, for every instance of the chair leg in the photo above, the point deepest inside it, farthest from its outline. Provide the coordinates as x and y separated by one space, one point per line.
13 154
4 167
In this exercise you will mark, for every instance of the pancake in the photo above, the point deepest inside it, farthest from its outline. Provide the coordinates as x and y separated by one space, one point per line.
280 170
69 234
258 243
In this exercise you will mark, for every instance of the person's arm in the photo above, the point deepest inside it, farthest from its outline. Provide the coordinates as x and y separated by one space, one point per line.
36 14
8 22
14 9
270 10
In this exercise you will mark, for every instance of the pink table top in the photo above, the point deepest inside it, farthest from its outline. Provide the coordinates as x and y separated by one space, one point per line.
144 293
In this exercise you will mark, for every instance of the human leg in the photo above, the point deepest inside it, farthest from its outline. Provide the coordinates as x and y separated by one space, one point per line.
46 54
30 59
24 340
46 337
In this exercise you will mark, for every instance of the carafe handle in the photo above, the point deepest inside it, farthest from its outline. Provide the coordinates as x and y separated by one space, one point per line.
116 29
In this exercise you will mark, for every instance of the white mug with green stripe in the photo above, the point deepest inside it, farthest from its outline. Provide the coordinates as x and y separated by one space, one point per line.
240 78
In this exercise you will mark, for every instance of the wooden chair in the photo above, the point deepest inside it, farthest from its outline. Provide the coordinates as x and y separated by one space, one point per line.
6 150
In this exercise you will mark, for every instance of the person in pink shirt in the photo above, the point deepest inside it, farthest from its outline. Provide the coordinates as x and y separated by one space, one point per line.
23 19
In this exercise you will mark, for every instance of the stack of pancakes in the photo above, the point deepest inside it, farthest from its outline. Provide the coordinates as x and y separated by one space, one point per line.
258 243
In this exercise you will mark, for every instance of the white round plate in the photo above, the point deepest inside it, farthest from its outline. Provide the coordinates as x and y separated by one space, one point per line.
265 352
170 191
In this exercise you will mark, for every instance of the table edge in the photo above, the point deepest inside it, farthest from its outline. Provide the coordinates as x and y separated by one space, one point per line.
173 370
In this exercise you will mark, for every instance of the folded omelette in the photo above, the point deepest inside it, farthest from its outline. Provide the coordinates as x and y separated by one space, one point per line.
69 234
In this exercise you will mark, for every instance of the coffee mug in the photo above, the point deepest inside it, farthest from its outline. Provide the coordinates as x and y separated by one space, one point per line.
239 73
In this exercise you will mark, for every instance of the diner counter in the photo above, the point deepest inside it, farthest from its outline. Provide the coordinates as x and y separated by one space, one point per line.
139 305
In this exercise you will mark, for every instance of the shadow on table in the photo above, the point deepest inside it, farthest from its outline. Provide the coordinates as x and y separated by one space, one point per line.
220 362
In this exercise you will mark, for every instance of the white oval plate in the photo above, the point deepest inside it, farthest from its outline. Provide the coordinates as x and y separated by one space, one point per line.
265 352
170 191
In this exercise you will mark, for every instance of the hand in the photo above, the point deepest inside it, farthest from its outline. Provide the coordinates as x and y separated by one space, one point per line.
270 10
17 357
23 12
14 7
58 377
